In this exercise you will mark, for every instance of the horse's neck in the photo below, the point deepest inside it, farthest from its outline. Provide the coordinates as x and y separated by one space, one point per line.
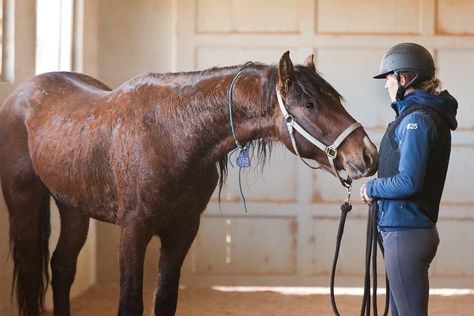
204 106
252 111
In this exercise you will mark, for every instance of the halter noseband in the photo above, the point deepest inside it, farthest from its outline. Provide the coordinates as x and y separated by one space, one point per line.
330 151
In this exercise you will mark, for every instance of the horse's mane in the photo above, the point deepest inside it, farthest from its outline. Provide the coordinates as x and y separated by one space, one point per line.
309 82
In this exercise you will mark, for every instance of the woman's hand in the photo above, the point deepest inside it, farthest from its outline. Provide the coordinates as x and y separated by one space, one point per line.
363 194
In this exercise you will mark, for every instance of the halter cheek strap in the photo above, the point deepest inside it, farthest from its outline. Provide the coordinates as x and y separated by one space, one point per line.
330 151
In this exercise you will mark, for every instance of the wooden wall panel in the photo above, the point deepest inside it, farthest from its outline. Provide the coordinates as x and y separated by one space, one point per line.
366 98
273 184
457 235
352 256
368 16
454 17
247 16
238 245
206 56
456 71
458 188
349 39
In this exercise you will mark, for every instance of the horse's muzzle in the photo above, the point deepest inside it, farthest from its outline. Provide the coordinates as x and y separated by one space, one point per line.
364 163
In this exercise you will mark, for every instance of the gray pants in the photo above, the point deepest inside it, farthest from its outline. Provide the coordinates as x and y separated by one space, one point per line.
408 254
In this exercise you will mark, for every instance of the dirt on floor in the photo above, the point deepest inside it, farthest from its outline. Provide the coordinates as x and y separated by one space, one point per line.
102 300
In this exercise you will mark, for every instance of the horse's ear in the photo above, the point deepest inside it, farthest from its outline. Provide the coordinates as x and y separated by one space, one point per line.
285 73
309 62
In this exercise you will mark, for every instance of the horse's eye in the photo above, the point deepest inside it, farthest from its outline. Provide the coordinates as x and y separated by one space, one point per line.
309 105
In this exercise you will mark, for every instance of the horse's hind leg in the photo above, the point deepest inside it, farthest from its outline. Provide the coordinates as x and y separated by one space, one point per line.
73 235
174 247
27 200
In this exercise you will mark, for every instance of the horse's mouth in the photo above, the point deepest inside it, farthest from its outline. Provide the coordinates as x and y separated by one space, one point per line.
359 168
353 170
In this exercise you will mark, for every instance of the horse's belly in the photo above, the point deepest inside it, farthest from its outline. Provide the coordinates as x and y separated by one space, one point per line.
75 174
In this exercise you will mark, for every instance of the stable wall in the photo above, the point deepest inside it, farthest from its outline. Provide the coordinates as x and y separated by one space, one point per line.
287 238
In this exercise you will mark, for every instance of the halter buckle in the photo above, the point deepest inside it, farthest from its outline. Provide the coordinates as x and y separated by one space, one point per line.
331 152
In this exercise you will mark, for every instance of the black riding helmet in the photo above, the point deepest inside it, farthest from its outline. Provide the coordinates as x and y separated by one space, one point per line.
407 57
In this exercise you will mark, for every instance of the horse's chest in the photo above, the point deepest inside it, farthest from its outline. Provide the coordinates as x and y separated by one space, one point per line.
192 191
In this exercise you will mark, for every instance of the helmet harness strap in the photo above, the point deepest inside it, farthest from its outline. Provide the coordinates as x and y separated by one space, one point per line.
403 88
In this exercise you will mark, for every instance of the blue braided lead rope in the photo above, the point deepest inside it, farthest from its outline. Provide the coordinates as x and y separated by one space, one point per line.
241 192
243 159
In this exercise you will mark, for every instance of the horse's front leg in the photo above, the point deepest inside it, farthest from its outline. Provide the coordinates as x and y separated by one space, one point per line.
134 239
175 244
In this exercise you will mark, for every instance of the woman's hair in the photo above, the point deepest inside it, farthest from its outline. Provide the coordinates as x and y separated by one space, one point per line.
432 86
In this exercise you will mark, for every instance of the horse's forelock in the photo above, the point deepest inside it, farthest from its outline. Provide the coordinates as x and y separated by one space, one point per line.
312 84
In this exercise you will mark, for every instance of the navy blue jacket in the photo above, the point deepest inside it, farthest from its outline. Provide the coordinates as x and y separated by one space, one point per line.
414 137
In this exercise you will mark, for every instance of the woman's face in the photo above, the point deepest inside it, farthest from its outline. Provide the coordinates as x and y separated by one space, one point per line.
391 85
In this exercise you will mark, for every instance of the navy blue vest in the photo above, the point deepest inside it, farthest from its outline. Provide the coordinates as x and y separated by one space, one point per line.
429 197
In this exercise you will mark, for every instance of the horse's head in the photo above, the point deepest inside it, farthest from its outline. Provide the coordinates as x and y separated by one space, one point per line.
316 106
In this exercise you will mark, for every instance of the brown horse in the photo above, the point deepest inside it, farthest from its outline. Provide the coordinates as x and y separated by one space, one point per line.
145 156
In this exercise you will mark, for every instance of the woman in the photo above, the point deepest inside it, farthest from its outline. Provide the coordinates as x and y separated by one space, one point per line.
413 161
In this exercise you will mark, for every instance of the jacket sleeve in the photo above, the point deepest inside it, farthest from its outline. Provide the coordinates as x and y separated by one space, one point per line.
415 134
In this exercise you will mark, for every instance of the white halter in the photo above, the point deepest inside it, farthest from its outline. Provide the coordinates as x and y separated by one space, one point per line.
330 151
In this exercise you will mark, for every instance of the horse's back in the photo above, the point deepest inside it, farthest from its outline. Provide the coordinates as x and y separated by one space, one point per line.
52 89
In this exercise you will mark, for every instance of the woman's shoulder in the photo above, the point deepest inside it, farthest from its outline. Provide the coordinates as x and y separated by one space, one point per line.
421 117
417 122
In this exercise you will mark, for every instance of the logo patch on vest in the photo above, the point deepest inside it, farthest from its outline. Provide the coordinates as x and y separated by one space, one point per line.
412 125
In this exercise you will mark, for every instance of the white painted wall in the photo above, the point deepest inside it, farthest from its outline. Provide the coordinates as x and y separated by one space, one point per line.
288 236
289 233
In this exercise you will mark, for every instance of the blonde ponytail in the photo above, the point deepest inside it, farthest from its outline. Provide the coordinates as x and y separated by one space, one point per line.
432 86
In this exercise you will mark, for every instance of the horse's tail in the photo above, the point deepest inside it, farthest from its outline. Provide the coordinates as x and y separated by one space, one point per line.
30 253
27 200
